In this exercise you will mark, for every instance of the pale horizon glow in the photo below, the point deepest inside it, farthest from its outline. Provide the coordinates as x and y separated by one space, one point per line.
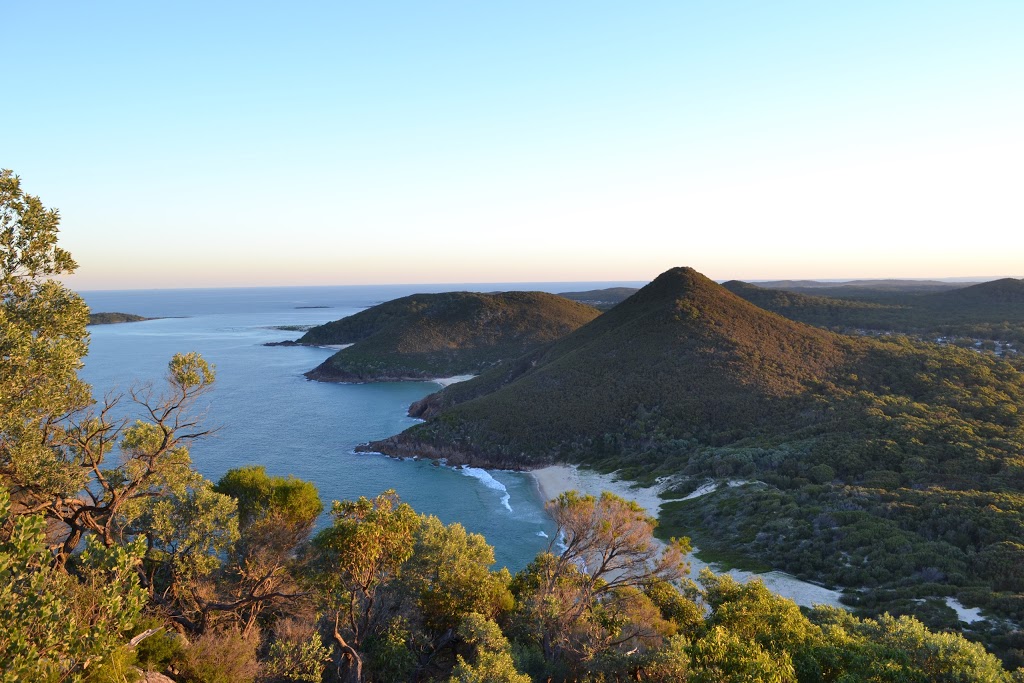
402 143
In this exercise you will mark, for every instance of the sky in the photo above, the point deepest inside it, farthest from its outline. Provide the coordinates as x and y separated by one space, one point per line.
244 144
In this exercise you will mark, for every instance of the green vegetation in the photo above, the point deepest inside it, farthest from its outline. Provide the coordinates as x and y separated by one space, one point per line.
115 318
115 553
882 464
425 336
865 288
54 623
989 310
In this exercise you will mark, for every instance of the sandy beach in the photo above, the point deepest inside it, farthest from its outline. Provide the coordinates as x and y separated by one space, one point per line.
446 381
557 479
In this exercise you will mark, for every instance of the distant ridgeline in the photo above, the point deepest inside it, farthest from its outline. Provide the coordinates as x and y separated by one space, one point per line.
874 463
989 310
601 298
426 336
115 318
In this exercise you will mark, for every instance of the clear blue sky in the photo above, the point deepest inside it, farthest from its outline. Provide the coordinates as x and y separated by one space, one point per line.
372 142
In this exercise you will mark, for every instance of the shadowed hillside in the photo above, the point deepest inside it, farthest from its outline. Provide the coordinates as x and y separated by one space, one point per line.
682 353
425 336
990 310
863 287
1007 291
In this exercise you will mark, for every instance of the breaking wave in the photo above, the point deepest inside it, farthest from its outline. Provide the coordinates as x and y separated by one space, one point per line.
485 478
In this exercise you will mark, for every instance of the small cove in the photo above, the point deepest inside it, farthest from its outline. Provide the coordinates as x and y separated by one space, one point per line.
267 413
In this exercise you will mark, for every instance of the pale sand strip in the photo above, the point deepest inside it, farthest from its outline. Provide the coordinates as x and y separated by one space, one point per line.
557 479
447 381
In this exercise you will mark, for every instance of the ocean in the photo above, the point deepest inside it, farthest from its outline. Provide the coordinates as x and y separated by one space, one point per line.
266 413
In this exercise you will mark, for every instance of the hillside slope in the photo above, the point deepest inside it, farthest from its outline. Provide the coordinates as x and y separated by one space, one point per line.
439 335
1005 292
877 464
992 310
682 353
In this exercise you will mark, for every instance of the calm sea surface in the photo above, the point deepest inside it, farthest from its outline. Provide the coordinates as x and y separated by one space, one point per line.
267 413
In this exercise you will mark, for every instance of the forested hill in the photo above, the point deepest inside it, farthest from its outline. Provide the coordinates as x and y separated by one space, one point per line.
440 335
990 310
682 356
827 311
1008 291
878 464
686 362
871 288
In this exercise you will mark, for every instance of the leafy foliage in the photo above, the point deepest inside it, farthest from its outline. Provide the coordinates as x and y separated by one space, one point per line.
42 341
494 662
586 605
297 653
55 625
290 501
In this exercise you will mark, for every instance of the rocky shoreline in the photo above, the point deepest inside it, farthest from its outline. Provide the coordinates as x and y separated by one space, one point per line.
400 449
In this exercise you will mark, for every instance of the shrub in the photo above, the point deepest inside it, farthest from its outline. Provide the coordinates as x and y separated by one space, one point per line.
224 657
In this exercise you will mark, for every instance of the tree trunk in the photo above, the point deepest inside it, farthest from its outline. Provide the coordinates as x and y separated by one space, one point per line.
349 655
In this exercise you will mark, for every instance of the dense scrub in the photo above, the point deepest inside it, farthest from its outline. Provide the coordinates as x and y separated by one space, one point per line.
990 310
394 596
441 335
884 464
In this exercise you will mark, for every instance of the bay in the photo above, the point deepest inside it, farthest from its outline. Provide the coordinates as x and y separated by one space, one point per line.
266 413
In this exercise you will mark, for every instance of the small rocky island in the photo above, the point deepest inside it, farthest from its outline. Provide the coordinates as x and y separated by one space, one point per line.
115 318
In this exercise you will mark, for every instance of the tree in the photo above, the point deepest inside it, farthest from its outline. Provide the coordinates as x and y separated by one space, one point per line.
276 516
42 342
55 451
55 625
188 536
356 559
493 657
587 601
446 578
278 501
89 471
612 541
751 632
901 649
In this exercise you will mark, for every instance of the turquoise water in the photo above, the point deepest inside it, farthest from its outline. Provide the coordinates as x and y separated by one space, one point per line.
267 413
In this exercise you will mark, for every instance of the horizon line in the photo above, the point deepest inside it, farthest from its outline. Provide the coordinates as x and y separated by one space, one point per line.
835 281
